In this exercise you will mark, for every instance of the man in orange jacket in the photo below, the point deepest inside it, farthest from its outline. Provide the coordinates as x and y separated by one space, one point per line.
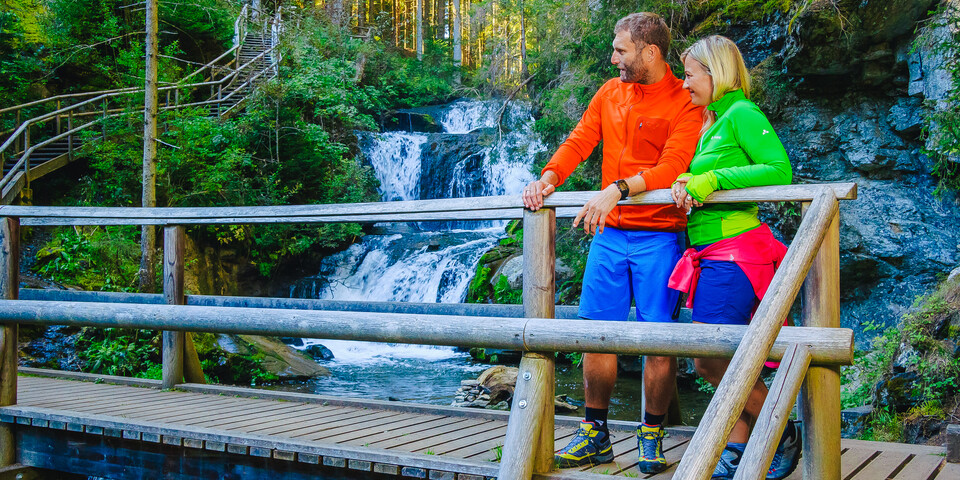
649 130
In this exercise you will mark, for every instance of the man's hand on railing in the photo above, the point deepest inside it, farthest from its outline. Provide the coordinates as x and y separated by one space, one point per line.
534 192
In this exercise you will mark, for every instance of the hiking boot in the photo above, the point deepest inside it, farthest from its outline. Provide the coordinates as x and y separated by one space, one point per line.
588 447
650 445
787 457
729 460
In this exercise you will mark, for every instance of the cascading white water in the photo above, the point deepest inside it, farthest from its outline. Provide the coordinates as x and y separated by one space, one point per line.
423 265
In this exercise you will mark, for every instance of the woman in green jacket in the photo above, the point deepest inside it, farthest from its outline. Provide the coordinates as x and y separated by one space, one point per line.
738 148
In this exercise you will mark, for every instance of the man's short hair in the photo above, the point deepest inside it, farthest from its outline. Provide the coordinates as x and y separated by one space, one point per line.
648 28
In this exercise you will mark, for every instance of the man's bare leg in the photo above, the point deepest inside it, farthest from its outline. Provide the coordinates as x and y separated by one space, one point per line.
599 377
659 380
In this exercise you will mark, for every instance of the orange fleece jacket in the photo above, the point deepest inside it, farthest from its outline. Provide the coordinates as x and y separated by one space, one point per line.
647 129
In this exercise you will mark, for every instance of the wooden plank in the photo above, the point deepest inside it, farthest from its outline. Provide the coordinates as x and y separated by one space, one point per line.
830 346
346 417
435 443
745 366
408 437
855 459
400 430
920 467
950 471
234 414
365 424
291 415
318 416
393 423
882 466
494 435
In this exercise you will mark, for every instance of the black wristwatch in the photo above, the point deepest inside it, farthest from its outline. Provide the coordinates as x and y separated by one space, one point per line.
624 188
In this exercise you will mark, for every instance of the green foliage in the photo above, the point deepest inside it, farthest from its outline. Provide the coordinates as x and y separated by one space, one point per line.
479 289
92 258
20 63
705 386
114 351
926 339
504 293
941 119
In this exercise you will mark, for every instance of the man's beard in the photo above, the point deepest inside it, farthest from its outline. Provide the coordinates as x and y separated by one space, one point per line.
634 73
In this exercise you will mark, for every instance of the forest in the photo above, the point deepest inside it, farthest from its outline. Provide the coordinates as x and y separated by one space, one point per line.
821 69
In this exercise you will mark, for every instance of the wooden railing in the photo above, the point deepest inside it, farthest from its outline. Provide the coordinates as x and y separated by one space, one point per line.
810 355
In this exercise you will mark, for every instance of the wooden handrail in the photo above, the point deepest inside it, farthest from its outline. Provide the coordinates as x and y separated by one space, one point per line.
724 409
497 207
828 346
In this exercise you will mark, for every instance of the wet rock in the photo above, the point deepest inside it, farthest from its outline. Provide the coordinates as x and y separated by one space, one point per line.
853 421
319 352
919 429
292 341
830 38
411 121
954 274
905 117
901 391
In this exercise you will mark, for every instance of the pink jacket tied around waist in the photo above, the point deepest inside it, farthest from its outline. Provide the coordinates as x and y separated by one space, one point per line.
756 252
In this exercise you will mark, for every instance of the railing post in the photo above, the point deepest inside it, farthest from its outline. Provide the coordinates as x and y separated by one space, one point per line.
9 288
173 342
58 117
820 395
70 136
528 447
17 141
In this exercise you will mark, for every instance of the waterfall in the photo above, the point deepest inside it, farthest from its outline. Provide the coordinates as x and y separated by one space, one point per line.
430 261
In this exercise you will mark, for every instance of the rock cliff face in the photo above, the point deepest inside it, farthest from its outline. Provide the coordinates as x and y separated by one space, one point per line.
853 85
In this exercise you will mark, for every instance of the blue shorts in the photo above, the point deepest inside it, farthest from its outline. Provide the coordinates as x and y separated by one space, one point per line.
724 294
626 265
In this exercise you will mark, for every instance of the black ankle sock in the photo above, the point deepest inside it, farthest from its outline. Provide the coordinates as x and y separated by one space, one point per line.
598 416
652 420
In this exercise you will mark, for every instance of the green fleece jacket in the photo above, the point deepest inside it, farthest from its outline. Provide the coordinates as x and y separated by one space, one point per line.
739 150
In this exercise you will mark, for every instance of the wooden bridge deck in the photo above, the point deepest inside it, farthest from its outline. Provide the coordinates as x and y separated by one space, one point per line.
389 438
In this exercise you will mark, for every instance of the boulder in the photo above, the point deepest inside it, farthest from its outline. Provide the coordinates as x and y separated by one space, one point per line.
276 357
853 421
512 268
319 352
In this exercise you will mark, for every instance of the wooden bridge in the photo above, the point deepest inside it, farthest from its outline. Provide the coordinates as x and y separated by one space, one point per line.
188 430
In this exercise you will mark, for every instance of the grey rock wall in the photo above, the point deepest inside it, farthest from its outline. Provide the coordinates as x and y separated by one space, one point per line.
861 84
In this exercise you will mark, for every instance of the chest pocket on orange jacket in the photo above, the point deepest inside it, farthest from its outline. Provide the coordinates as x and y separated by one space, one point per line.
650 136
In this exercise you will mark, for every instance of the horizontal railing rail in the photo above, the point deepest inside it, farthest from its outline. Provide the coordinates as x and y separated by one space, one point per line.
498 207
829 346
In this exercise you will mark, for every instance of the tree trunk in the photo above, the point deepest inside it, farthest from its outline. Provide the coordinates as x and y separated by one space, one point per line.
457 49
524 72
420 29
148 236
361 13
335 12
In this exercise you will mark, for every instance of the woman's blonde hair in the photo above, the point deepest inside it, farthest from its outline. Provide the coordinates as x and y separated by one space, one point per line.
723 61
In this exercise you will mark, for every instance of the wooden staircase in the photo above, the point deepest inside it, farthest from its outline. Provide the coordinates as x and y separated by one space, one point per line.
24 160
